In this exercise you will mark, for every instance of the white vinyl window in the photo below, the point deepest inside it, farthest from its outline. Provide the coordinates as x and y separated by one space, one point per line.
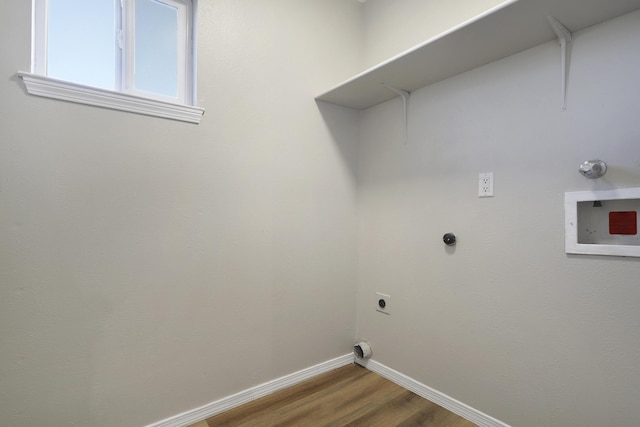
141 48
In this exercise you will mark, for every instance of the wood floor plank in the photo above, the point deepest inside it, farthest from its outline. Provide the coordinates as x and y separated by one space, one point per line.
347 396
333 403
252 412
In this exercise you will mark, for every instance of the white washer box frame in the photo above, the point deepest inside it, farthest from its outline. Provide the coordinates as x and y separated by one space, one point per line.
571 201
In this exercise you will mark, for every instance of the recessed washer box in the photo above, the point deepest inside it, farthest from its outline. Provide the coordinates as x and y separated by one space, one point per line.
602 222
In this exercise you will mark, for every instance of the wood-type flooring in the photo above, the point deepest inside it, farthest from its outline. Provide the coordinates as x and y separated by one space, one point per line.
347 396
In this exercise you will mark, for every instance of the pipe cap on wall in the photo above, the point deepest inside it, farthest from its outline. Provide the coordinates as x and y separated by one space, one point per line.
449 239
593 169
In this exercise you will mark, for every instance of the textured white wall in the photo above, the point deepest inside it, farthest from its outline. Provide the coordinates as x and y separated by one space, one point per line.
507 322
147 266
391 27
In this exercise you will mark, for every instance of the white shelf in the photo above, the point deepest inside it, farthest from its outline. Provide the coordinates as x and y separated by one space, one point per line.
509 28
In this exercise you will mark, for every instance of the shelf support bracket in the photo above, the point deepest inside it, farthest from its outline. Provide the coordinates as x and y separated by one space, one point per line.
405 107
564 38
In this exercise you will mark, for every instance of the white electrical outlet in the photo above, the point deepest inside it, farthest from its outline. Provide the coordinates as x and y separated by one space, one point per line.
383 303
485 184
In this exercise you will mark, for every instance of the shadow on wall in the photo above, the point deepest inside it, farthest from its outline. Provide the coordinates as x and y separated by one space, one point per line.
342 125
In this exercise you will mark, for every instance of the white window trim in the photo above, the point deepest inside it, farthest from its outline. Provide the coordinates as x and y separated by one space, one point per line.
37 83
72 92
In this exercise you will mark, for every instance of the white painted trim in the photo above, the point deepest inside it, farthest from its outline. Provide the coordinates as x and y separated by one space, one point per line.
435 396
571 222
66 91
39 30
226 403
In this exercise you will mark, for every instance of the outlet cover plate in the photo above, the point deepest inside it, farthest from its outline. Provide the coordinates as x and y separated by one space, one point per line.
385 307
485 184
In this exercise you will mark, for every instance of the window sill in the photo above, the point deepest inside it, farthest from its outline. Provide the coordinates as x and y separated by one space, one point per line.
66 91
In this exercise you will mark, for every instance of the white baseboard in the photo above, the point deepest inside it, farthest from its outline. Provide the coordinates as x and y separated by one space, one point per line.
226 403
439 398
229 402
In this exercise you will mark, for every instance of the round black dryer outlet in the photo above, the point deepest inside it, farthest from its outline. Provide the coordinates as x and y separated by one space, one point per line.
449 239
382 303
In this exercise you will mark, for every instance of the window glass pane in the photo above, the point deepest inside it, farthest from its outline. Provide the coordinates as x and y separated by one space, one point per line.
81 43
156 47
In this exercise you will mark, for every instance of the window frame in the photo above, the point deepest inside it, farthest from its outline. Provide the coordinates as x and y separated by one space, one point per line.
185 52
125 97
